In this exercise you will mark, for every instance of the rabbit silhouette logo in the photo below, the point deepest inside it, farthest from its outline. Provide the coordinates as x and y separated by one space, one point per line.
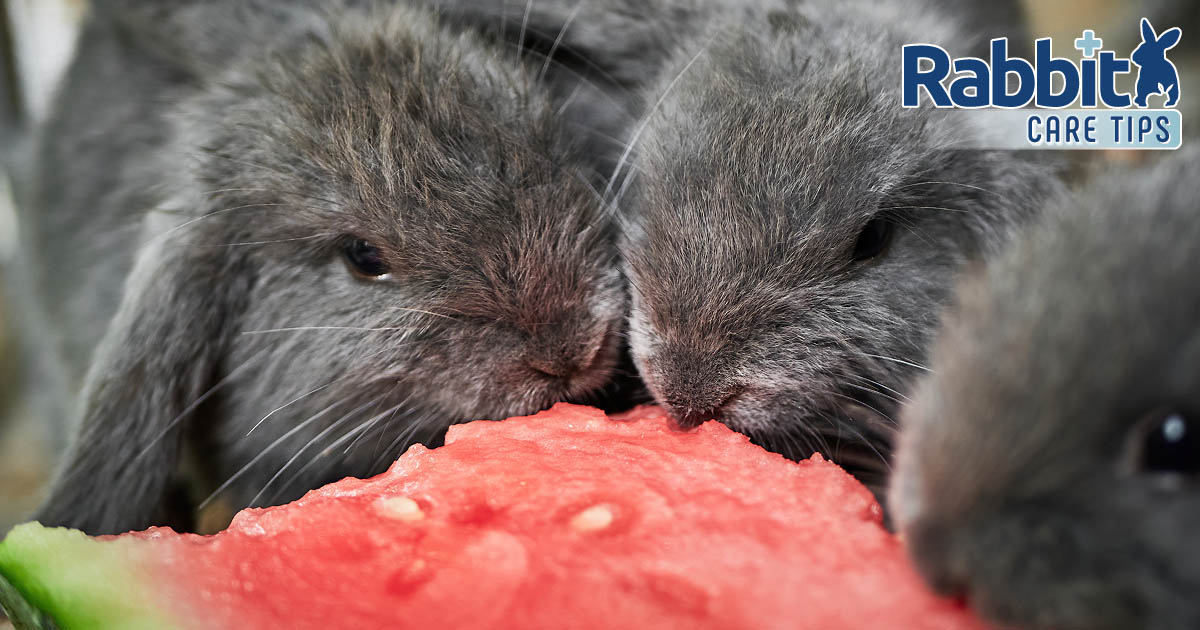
1156 73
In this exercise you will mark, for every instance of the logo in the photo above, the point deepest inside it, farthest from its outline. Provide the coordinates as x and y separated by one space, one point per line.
1104 115
1156 74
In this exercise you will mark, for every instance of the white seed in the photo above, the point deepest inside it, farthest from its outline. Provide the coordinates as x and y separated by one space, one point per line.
400 508
593 519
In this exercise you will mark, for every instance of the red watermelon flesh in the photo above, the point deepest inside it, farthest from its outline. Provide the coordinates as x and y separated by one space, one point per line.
564 519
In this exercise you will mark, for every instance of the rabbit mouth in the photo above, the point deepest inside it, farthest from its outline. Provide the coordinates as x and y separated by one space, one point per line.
1050 559
848 430
539 385
596 372
1046 591
866 451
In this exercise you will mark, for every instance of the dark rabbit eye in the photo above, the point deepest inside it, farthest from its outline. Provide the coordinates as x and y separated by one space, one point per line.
1171 444
364 259
874 239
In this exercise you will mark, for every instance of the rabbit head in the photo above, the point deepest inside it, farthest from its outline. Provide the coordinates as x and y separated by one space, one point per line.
1048 465
793 232
372 230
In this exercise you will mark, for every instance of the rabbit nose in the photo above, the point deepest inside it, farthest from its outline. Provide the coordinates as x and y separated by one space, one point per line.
687 418
564 364
689 413
931 545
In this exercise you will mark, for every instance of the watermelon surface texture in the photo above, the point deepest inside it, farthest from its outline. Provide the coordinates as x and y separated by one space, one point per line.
564 519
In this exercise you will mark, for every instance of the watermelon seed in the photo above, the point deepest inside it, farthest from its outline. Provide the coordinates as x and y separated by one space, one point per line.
400 508
593 519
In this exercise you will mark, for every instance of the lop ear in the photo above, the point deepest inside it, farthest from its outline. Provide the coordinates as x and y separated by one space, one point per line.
594 58
1148 34
583 37
1170 38
154 364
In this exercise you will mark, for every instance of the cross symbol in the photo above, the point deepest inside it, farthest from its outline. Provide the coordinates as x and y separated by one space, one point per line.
1088 44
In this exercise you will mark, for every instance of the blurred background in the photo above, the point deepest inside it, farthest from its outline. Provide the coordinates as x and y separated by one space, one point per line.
36 41
36 38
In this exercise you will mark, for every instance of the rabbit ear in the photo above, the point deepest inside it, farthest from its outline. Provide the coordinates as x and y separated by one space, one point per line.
1170 38
591 56
1148 34
155 363
588 37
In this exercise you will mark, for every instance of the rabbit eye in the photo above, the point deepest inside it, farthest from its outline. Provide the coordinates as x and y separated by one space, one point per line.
365 260
1170 444
874 239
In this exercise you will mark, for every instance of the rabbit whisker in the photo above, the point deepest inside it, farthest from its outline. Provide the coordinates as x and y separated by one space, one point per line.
937 183
959 210
417 310
281 240
876 383
524 26
558 40
350 328
314 440
323 453
377 419
405 437
257 458
875 392
288 404
649 116
301 450
209 215
192 407
900 361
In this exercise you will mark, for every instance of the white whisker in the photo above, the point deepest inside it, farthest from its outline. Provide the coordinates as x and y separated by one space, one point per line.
558 40
287 404
292 460
214 213
984 190
649 115
900 361
257 458
352 328
876 383
280 240
192 407
417 310
524 25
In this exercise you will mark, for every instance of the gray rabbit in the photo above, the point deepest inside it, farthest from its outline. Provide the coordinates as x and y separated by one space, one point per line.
1048 465
284 240
791 231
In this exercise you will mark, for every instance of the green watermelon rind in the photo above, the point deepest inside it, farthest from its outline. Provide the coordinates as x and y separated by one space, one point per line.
22 615
57 578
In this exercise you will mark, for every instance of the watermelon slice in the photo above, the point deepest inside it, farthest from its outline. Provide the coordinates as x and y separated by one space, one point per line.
564 519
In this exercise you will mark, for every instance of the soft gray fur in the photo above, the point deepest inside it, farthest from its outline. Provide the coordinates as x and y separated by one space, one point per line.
766 134
775 135
1020 482
205 166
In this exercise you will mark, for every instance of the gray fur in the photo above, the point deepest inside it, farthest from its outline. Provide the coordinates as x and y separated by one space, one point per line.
1014 481
205 163
775 134
598 55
